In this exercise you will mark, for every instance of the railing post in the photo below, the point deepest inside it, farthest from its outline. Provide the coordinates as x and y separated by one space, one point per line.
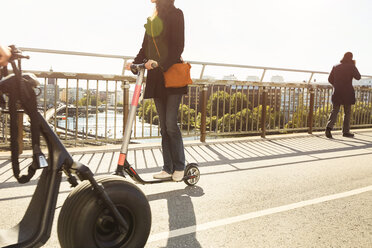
263 114
311 110
311 77
263 75
202 72
203 125
125 86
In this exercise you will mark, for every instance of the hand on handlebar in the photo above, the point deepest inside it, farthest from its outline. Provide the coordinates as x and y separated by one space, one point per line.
5 54
151 64
127 66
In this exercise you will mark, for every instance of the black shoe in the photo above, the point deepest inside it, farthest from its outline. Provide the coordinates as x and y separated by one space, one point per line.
349 135
328 133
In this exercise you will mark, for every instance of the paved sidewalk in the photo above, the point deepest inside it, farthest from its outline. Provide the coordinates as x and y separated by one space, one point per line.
262 173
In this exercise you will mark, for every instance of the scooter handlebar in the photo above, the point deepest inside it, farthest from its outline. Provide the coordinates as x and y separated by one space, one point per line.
154 65
17 54
136 67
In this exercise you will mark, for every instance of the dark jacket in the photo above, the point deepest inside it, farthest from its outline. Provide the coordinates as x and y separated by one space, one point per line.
168 32
341 77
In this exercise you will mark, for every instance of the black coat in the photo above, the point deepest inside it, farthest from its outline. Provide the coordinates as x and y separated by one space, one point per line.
341 77
168 32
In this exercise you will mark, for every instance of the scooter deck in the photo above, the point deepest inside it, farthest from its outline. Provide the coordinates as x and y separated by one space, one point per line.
127 168
161 180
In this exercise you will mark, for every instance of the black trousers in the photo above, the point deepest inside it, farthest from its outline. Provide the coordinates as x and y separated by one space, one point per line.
333 117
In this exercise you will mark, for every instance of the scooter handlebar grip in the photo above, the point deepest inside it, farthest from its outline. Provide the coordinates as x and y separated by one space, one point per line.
154 65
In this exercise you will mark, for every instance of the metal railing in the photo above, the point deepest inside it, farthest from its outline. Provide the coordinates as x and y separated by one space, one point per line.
91 108
261 108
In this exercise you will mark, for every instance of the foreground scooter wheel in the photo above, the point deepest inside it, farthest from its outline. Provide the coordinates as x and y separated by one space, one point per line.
193 173
85 222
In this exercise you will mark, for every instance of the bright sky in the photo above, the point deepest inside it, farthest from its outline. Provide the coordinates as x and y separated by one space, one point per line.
297 34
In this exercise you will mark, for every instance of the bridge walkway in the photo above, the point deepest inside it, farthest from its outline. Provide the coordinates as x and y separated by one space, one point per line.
322 186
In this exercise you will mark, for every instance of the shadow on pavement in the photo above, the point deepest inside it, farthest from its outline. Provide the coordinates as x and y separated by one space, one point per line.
181 215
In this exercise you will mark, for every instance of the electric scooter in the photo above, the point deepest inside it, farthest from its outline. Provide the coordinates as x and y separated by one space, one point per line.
192 173
107 212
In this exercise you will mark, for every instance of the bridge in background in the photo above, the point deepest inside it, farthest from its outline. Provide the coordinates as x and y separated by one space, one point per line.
212 108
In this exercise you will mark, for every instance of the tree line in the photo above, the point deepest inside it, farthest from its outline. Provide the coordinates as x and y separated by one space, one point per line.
226 113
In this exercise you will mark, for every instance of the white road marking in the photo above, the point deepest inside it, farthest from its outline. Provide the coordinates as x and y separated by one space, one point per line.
252 215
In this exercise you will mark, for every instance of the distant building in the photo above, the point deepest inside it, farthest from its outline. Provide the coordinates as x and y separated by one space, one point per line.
71 94
253 79
49 95
51 81
111 97
277 79
209 78
230 79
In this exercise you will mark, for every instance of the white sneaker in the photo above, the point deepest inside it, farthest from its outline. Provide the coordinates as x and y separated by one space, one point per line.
178 175
162 175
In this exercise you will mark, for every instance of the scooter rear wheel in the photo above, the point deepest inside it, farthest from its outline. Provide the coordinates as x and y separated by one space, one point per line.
84 220
192 173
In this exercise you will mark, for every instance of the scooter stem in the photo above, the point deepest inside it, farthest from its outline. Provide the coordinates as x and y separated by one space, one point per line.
131 116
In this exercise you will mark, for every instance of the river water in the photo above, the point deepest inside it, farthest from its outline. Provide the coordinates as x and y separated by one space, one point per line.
110 130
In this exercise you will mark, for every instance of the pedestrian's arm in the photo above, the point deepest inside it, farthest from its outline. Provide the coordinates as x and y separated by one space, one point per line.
331 77
356 73
141 56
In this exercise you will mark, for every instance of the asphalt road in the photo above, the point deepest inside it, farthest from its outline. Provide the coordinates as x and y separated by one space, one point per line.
298 192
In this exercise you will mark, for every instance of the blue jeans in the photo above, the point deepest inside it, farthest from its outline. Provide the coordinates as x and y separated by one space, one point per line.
171 137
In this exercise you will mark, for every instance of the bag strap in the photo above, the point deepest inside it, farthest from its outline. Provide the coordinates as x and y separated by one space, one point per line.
156 46
28 100
153 39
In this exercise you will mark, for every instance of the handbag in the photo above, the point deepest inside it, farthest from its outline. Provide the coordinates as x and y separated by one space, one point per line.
178 75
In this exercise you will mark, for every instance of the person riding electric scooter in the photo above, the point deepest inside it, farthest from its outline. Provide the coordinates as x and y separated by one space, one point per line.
192 173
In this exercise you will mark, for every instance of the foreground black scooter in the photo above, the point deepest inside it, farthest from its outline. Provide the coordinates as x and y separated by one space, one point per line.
192 173
107 212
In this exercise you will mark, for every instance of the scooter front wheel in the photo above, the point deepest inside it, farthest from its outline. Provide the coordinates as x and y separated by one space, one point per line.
85 221
192 174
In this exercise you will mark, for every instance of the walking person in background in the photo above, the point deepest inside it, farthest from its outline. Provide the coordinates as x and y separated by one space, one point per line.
163 44
341 78
5 54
